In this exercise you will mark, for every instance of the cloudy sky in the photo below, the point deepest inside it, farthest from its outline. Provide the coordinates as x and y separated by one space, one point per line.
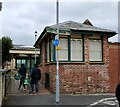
20 20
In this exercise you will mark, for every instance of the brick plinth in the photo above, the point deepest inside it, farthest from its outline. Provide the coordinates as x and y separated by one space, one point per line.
80 79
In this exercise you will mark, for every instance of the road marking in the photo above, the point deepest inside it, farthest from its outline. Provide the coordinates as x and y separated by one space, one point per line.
109 103
100 101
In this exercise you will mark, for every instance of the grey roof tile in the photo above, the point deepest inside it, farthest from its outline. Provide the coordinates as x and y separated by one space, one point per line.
68 26
71 25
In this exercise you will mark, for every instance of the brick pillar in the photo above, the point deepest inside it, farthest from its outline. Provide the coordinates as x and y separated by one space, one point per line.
86 49
43 52
105 50
43 67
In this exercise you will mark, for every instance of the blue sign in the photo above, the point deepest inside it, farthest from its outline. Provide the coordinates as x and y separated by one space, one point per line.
56 42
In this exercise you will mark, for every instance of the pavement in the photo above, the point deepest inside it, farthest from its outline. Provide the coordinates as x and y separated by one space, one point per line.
14 84
107 100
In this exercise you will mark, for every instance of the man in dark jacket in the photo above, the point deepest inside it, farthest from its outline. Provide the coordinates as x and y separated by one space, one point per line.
117 93
22 72
35 77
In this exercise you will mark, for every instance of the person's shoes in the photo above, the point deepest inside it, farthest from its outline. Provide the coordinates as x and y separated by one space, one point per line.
36 93
24 89
31 93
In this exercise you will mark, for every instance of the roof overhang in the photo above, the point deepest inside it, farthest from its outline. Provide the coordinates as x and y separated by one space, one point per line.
62 31
50 30
14 51
68 32
109 34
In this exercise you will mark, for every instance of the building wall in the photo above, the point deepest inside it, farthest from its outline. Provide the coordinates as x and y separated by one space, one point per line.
82 77
114 58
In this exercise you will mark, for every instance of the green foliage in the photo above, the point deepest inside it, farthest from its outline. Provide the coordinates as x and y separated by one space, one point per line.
0 6
6 46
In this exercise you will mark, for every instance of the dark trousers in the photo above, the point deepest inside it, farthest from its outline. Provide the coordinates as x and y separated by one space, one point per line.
22 82
34 82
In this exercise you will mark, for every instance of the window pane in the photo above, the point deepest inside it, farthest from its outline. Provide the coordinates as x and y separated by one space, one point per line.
18 63
95 50
51 50
48 52
32 63
76 50
63 54
28 65
23 61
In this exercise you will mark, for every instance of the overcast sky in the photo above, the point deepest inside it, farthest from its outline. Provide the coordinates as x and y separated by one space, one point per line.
21 19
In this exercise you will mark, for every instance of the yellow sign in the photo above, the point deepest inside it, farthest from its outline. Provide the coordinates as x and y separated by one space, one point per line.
58 48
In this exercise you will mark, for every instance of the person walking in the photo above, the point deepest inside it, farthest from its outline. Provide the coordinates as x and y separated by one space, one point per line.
22 72
35 76
117 93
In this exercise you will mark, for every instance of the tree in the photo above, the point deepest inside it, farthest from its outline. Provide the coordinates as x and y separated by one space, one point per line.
6 46
0 6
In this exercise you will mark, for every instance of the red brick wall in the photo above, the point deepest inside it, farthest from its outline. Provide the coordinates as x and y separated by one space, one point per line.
78 78
114 58
84 77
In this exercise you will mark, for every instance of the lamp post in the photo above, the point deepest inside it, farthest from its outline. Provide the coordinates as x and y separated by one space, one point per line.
35 48
57 54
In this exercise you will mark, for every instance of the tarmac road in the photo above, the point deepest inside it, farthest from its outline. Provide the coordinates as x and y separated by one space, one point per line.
107 100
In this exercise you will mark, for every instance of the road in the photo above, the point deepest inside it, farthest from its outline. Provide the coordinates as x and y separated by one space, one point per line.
49 99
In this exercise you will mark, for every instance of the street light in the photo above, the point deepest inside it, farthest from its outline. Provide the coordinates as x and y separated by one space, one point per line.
35 48
57 54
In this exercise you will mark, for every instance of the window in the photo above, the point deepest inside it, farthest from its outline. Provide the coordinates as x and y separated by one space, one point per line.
23 61
48 54
51 50
76 49
28 65
63 54
95 50
32 63
18 63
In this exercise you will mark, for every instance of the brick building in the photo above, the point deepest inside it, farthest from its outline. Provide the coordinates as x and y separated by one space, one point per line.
83 57
21 54
114 70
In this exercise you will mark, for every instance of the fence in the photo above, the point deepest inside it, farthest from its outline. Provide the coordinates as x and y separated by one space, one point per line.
4 82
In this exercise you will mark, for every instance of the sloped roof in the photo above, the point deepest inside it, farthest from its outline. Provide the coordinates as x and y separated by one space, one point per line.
71 25
67 27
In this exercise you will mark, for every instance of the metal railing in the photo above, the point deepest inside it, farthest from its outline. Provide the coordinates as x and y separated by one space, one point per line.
3 84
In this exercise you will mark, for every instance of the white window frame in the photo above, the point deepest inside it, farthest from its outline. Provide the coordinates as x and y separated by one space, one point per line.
63 53
95 50
77 50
